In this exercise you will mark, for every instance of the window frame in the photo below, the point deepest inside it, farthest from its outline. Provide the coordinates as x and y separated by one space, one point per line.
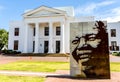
113 43
113 32
16 31
114 46
58 30
46 31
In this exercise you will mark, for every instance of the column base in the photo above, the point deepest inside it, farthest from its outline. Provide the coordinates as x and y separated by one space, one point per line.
50 52
25 51
36 51
63 52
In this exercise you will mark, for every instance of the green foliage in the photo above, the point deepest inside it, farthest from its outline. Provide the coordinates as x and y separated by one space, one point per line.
35 66
116 53
11 52
3 38
115 66
5 78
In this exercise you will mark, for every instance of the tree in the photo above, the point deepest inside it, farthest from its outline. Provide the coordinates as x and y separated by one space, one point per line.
3 38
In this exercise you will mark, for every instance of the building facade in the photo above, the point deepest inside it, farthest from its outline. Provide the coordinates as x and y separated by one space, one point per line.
114 40
43 30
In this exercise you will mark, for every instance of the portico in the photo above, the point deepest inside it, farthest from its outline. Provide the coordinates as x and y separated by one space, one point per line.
38 38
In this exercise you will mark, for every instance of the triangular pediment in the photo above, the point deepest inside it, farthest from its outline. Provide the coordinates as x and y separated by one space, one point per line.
44 11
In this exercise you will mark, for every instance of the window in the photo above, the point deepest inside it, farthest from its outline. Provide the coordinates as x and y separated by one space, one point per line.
113 32
113 43
34 31
16 32
16 45
114 46
46 31
57 30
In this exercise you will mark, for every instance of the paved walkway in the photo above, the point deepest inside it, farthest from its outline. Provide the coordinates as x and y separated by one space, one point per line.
114 58
8 59
23 73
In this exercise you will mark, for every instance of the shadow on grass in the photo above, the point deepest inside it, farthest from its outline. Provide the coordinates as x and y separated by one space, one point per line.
73 78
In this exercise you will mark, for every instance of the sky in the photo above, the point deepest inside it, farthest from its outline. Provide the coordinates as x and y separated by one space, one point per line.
101 9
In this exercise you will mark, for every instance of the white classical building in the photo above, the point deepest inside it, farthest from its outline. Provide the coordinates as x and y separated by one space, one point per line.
114 36
43 30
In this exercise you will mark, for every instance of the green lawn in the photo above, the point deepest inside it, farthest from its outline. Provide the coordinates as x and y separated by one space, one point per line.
38 66
35 66
4 78
115 66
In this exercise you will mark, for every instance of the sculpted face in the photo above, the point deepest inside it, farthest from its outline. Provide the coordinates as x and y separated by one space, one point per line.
88 47
83 45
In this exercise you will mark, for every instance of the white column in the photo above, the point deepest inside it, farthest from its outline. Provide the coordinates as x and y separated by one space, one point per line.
26 38
36 37
50 38
62 44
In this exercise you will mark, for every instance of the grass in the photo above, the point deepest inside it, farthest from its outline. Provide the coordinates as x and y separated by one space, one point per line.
35 66
38 66
115 66
4 78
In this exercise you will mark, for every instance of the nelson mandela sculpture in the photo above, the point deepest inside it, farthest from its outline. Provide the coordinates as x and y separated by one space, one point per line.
89 50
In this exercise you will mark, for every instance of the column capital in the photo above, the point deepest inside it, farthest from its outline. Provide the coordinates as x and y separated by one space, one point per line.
36 22
62 22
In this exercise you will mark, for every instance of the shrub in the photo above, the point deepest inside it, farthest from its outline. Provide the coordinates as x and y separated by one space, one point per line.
116 53
10 52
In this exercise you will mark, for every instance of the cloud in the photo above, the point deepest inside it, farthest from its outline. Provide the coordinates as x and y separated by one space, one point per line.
111 14
105 3
91 7
114 15
116 11
112 19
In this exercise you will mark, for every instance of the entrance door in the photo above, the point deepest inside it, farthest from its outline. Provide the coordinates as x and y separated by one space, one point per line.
46 46
57 46
33 46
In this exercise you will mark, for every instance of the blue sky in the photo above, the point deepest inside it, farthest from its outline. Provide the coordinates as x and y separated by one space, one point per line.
102 9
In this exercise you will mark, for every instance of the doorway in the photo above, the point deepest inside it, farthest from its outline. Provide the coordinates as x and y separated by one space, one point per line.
57 46
46 43
33 46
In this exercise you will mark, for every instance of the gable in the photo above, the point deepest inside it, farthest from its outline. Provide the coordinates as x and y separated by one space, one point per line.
44 11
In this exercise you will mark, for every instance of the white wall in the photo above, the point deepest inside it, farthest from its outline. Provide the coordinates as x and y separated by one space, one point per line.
114 25
20 38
